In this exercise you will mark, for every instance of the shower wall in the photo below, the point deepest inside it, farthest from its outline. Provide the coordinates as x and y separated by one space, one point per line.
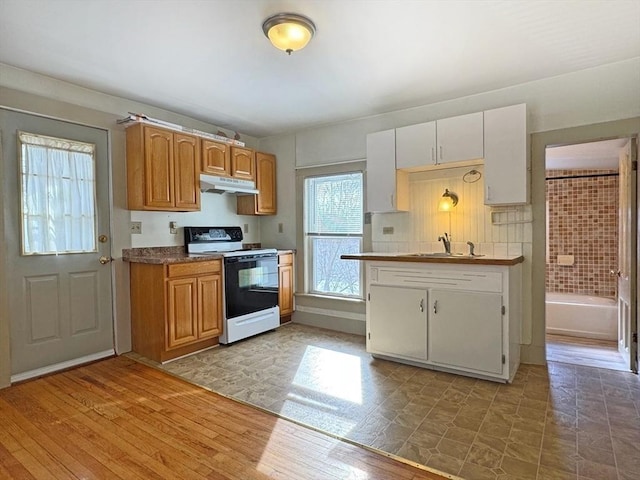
582 215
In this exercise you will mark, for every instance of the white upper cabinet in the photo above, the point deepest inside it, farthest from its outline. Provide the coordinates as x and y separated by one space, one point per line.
506 166
454 139
460 138
416 145
383 194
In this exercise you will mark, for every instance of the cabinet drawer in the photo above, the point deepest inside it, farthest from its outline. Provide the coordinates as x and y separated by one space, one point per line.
285 259
194 268
454 280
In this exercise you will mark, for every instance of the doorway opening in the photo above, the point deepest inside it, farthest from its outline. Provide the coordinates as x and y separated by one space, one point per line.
584 252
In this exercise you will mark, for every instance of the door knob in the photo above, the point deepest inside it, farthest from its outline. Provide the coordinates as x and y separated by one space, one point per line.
104 260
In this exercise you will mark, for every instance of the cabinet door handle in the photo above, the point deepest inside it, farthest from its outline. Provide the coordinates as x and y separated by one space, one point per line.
440 152
435 306
422 304
433 155
391 199
488 192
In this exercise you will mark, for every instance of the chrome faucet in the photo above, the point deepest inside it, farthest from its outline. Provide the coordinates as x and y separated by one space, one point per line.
446 242
471 247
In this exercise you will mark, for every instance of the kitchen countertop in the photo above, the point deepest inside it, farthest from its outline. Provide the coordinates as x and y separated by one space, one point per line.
408 257
169 255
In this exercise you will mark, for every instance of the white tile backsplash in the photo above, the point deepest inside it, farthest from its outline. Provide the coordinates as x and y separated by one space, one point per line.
419 229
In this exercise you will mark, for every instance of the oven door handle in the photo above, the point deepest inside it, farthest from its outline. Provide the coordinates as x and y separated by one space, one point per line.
249 258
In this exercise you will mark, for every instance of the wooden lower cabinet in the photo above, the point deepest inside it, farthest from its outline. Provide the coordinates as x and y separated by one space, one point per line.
175 309
285 286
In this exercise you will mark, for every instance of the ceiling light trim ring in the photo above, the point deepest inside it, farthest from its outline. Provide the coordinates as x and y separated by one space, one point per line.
284 18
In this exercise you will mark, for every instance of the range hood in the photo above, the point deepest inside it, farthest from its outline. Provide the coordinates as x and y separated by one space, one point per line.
211 183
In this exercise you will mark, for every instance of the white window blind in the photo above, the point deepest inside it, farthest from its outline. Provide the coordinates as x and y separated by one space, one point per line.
333 227
58 197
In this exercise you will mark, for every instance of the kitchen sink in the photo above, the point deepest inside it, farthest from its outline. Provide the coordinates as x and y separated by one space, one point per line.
443 255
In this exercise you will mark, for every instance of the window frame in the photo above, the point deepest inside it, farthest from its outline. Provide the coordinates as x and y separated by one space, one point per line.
65 145
306 239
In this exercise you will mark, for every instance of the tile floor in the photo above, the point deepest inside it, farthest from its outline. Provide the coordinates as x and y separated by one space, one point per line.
586 352
557 422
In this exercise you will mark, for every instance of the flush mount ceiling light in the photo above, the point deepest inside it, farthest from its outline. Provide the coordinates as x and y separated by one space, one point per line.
448 201
288 31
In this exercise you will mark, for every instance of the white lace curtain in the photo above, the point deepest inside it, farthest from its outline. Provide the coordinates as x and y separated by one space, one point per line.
58 195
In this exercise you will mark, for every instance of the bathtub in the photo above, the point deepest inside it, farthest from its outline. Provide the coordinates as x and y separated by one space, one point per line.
581 316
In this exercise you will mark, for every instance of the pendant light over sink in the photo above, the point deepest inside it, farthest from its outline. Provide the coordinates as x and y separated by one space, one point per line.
288 31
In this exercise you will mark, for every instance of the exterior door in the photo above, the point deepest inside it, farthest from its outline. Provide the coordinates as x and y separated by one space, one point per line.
59 297
627 256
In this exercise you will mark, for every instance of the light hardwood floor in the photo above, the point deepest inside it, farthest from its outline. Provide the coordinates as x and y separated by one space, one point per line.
119 419
586 352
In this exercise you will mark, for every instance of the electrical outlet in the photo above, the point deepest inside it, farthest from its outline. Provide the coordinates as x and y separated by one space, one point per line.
246 228
280 228
173 227
387 230
136 228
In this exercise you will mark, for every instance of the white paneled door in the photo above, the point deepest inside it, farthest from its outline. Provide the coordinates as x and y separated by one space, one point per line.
55 185
627 257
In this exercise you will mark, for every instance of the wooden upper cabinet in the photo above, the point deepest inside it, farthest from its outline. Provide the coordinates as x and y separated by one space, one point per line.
264 203
243 163
216 158
163 169
158 168
186 172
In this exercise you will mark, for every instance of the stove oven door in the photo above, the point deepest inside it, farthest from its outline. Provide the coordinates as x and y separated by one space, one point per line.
250 283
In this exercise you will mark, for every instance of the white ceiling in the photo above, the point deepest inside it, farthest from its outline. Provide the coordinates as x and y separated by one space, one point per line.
210 59
592 155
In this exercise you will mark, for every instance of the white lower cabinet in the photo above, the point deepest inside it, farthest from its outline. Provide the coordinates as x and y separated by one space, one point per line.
398 323
465 330
457 318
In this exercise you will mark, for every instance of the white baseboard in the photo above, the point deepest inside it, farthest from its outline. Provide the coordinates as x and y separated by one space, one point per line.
347 322
61 366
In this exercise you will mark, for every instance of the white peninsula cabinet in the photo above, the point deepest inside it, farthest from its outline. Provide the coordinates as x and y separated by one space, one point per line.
457 318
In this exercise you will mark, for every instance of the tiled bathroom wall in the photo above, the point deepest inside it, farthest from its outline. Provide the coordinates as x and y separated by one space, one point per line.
582 222
496 231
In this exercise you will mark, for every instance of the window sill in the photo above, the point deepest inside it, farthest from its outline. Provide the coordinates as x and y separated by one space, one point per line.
330 297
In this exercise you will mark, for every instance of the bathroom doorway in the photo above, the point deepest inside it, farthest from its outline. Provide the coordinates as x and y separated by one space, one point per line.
587 250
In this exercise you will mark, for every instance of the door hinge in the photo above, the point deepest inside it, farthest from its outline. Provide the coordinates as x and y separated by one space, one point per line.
369 296
503 309
504 359
634 337
634 165
369 334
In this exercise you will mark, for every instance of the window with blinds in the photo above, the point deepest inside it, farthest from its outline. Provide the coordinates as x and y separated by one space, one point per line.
58 195
333 227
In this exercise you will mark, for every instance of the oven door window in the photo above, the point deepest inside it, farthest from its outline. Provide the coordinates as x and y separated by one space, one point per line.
251 284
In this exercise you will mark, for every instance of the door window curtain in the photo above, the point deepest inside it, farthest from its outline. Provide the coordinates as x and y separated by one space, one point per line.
58 195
